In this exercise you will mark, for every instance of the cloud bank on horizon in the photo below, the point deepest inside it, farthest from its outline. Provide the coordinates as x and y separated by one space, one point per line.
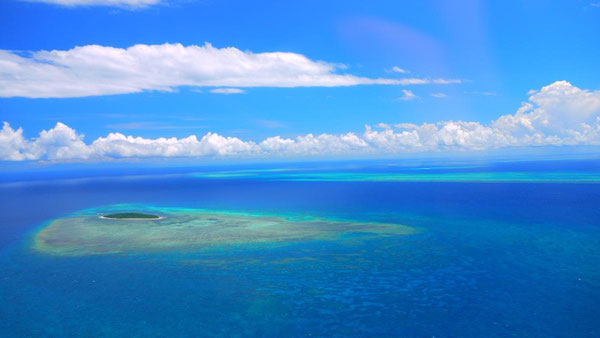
558 114
93 70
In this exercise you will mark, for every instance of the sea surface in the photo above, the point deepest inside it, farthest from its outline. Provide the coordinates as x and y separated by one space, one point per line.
494 250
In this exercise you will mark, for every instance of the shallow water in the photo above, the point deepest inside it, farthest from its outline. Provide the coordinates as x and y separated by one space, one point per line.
486 259
88 232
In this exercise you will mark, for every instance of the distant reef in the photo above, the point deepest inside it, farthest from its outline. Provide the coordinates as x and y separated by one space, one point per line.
130 215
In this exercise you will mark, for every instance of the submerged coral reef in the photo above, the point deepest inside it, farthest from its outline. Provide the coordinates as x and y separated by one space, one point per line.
85 233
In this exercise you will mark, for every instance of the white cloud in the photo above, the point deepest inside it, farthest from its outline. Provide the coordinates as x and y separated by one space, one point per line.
99 70
558 114
116 3
13 144
399 70
407 95
58 143
439 95
560 109
117 145
227 91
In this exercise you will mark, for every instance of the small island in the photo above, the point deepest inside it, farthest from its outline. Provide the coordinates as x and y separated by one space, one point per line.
130 215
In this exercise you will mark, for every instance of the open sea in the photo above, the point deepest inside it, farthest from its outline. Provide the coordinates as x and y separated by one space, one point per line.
498 250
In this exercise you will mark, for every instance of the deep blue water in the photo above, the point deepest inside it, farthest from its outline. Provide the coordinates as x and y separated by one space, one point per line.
490 259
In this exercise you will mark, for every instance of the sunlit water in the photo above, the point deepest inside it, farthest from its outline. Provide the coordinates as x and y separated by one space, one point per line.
495 257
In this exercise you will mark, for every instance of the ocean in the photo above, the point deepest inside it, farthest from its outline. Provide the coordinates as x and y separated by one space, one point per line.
492 250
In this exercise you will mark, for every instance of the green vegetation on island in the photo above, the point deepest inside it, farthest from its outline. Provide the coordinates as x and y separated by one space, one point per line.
129 215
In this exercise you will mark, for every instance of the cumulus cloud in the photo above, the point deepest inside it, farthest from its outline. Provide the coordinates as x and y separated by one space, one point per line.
58 143
100 70
558 114
116 3
227 91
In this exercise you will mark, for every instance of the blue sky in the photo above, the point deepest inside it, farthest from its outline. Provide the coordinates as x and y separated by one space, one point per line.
494 53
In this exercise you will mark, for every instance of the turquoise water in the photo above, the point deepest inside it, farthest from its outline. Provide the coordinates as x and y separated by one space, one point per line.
543 177
487 258
89 232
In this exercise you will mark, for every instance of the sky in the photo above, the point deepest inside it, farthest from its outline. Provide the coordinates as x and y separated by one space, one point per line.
99 80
